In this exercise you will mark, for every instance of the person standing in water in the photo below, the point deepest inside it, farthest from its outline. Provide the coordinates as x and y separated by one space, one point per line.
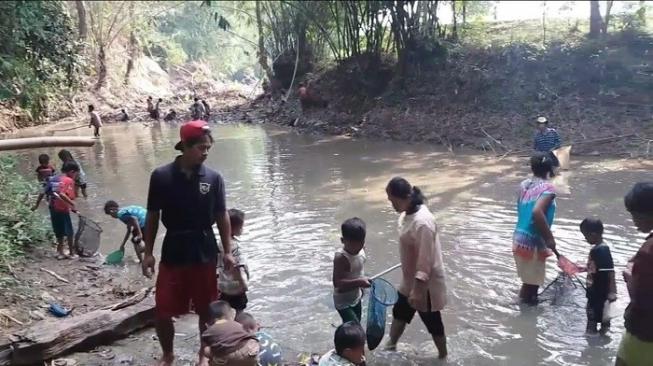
532 240
423 288
156 112
207 110
348 271
80 178
189 198
636 348
546 140
197 110
95 121
124 116
150 106
601 285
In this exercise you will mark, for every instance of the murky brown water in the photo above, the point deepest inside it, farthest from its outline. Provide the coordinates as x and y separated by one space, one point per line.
296 190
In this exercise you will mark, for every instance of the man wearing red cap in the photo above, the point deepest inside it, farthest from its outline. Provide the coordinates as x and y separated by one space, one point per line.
189 198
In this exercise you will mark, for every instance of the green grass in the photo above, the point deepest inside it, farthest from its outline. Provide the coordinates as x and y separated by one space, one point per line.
20 228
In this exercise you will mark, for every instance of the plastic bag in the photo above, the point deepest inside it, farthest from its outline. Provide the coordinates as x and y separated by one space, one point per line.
383 294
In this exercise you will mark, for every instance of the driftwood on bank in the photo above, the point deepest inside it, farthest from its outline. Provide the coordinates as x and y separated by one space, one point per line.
50 338
45 141
138 297
55 275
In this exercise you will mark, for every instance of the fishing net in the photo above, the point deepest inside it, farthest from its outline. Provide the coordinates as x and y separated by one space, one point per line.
383 294
87 237
561 287
568 267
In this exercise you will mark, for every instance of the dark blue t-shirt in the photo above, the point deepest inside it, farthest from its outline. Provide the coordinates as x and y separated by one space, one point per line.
189 207
599 267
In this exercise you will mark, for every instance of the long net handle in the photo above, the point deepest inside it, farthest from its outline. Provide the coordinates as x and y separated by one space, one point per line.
386 271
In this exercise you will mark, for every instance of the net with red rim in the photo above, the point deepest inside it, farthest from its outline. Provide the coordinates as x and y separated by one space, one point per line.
568 267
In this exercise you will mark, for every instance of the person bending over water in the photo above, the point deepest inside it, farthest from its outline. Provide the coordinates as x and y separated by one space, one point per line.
134 218
636 347
532 240
423 287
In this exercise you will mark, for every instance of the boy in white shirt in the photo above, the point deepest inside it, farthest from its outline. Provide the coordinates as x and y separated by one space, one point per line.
233 283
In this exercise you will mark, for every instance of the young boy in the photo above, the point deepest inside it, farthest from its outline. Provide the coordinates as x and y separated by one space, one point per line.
637 343
270 352
61 193
134 218
350 346
44 171
233 283
601 285
348 273
80 180
95 121
225 341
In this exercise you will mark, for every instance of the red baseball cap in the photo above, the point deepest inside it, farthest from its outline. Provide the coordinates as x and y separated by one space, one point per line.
191 130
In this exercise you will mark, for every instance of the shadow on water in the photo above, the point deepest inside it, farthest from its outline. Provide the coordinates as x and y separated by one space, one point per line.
296 190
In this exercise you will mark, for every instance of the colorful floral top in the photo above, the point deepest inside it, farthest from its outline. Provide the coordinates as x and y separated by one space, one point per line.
527 241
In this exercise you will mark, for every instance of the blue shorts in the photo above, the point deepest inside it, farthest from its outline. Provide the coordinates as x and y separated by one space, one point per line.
62 225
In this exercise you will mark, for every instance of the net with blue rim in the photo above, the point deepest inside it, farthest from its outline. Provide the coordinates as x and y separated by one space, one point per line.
382 295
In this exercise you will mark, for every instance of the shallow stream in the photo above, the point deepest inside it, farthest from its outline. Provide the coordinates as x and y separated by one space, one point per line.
296 190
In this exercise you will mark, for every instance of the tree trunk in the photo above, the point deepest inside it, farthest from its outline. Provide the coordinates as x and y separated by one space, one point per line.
543 23
464 13
102 69
133 49
45 141
608 8
595 19
82 24
454 27
262 55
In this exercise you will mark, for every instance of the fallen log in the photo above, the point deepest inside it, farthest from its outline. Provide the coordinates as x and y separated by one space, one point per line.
50 338
45 141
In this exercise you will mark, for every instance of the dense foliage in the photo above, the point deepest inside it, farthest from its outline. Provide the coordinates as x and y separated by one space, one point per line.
19 226
39 54
45 42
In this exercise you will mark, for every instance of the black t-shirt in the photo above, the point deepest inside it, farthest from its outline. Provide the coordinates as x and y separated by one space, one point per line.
189 207
599 267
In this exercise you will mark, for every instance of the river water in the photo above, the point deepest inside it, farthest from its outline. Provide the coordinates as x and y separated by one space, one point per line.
296 190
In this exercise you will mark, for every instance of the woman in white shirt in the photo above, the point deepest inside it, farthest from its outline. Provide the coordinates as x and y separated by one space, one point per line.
422 288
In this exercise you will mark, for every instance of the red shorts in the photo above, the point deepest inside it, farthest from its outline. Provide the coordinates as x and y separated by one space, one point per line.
177 286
